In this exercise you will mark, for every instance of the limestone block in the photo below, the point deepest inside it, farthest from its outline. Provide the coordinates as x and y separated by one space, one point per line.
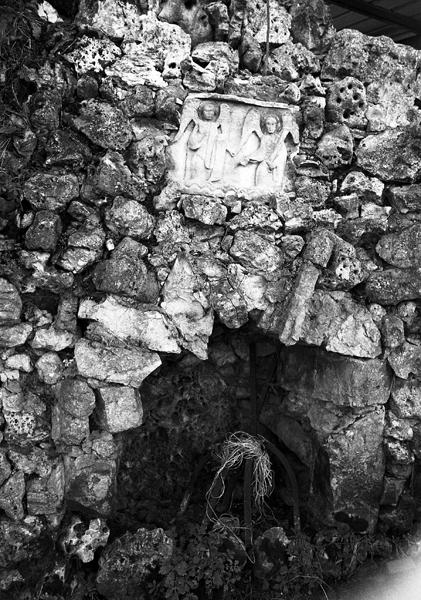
128 217
344 381
45 494
188 308
14 335
193 19
335 320
394 285
148 327
85 245
336 147
50 191
112 177
104 125
280 22
256 253
311 24
367 189
406 398
11 496
92 54
392 155
125 273
53 339
85 545
119 408
370 58
406 360
147 158
346 103
401 249
91 477
44 232
356 464
10 302
49 368
206 209
114 18
292 61
393 333
128 366
405 198
292 321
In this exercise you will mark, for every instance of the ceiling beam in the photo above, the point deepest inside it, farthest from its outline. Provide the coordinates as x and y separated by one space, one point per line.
382 14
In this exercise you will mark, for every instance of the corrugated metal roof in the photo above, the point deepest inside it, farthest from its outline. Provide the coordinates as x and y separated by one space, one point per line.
347 18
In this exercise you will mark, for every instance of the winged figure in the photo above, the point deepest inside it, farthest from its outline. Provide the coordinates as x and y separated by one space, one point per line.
263 143
207 131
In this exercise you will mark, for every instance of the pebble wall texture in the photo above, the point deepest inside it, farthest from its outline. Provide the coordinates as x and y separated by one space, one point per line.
109 269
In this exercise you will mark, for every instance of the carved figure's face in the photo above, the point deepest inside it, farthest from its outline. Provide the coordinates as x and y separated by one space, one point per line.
208 112
271 124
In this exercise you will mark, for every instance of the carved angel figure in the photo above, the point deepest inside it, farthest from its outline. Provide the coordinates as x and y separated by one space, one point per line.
207 132
263 143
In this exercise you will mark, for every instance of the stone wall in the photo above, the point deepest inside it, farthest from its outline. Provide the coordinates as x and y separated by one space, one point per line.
121 248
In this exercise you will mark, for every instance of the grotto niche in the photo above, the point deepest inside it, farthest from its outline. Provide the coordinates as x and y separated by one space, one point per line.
209 299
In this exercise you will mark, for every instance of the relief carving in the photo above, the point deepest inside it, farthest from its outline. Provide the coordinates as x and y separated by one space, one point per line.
228 143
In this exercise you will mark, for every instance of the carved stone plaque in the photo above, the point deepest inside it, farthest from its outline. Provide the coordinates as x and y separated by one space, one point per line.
229 143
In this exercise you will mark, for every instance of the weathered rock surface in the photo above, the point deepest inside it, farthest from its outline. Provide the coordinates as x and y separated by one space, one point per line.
14 335
367 189
356 463
405 198
256 253
146 326
49 368
11 496
112 177
336 147
119 408
44 232
369 58
341 380
128 217
209 211
10 302
45 494
85 545
188 307
92 54
406 398
104 125
394 285
125 272
115 19
91 476
292 321
406 360
70 415
392 155
401 249
335 320
311 24
128 366
50 191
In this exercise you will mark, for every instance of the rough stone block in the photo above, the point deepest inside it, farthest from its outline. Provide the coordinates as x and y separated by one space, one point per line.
329 377
119 409
128 366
